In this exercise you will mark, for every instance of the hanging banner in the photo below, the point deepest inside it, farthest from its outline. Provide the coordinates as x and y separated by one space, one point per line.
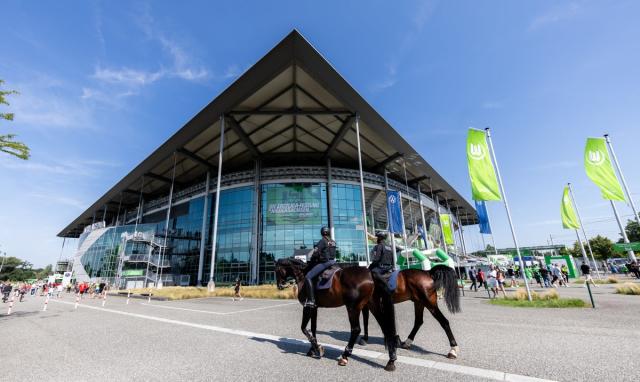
445 221
598 167
484 184
394 212
423 235
569 218
483 217
293 204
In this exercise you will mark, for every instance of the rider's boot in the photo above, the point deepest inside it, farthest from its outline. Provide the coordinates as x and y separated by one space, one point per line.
311 299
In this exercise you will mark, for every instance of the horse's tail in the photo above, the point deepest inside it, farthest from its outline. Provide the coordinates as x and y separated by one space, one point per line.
445 277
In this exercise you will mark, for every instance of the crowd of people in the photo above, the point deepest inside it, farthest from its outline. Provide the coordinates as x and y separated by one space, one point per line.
496 278
43 288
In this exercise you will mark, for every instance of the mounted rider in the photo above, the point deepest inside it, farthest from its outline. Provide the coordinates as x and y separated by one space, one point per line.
381 259
323 257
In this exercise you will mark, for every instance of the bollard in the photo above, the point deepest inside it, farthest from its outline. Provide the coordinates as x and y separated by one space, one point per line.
77 301
593 304
104 298
46 301
13 298
128 296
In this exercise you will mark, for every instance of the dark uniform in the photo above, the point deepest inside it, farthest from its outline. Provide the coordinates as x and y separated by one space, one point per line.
324 256
381 259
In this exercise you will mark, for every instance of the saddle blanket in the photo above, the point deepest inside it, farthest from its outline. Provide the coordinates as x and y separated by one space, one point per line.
392 281
326 278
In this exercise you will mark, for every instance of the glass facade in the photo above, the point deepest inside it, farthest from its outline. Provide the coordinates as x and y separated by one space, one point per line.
346 200
291 215
100 259
235 234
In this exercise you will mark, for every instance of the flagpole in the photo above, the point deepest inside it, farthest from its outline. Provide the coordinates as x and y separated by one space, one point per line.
625 238
506 206
575 205
624 181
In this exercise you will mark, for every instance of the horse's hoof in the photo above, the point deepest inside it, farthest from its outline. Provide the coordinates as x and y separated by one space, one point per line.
391 366
453 353
362 342
342 361
320 351
311 352
406 344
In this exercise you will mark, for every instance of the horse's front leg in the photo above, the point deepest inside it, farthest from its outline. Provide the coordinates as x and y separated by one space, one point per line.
354 321
314 322
306 316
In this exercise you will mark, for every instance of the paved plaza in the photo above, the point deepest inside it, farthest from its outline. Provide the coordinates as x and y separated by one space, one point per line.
218 339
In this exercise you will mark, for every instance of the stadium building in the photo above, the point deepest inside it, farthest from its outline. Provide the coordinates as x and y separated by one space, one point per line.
289 147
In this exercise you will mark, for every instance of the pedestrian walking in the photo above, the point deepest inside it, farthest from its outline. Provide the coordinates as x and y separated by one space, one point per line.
236 289
586 272
500 278
472 277
481 278
492 281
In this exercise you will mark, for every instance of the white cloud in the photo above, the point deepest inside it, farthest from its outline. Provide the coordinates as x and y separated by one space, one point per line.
128 77
554 15
420 17
60 200
75 168
44 103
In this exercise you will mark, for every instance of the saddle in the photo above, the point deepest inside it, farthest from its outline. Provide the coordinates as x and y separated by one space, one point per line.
391 278
326 277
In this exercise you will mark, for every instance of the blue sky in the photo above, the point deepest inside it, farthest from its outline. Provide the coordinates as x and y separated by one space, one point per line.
103 84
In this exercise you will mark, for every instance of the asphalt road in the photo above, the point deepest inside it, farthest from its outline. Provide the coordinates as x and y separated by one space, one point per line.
217 339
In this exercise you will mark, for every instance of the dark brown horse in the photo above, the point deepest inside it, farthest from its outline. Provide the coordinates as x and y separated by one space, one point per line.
352 287
421 287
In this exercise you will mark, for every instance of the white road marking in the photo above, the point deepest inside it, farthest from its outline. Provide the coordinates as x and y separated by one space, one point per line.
212 312
428 364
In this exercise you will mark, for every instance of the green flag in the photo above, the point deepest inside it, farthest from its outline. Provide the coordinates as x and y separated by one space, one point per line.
569 219
484 184
599 169
445 221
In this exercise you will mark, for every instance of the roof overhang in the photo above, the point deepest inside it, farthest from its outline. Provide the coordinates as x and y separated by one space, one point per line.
291 105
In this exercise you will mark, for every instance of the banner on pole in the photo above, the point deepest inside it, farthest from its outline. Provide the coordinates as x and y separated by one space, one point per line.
445 221
483 217
394 212
569 218
484 184
423 235
598 167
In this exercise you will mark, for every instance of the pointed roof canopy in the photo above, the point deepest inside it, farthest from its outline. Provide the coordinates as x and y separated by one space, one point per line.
292 104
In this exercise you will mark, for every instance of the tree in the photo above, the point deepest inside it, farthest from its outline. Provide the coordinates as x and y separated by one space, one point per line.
633 230
8 144
602 247
46 271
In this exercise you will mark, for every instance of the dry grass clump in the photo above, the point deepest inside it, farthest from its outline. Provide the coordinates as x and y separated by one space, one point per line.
608 280
549 299
628 288
183 293
521 295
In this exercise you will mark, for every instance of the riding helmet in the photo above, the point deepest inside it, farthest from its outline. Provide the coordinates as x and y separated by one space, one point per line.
324 231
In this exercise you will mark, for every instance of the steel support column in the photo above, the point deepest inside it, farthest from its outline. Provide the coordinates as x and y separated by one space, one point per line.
166 226
203 231
211 286
329 199
255 234
364 205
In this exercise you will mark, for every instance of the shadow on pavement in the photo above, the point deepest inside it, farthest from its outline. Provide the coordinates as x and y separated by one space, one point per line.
293 346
